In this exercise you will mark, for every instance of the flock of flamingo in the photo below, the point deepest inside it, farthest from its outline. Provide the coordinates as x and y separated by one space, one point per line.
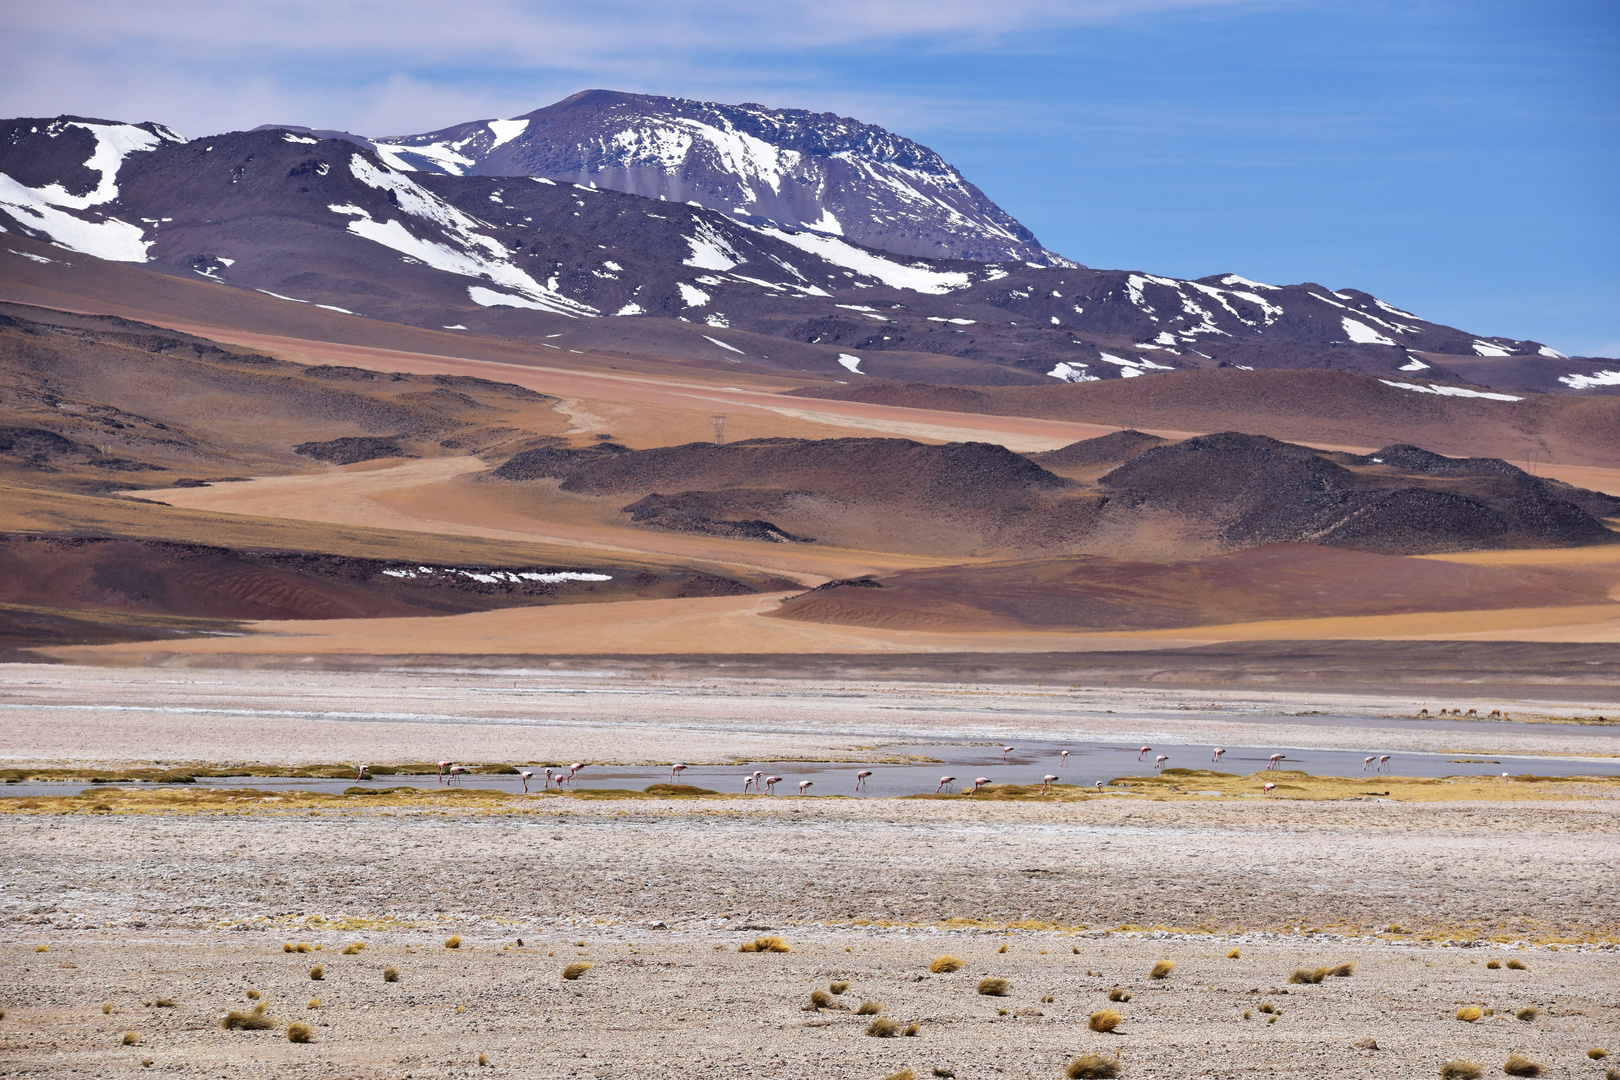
450 773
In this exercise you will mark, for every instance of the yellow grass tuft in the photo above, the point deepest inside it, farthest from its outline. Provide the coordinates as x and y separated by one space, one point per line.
131 1038
354 948
318 972
1116 994
300 1032
253 995
1247 1015
1470 1013
1517 965
483 1059
944 1073
1343 971
1529 1012
1162 969
1003 948
1460 1070
838 987
1519 1065
1075 949
42 948
903 1074
1267 1007
1309 975
1104 1020
107 1008
390 974
453 941
314 1003
765 944
820 999
1597 1053
236 1020
1493 964
883 1028
912 1029
994 987
166 1003
1234 955
575 970
944 964
869 1008
1092 1067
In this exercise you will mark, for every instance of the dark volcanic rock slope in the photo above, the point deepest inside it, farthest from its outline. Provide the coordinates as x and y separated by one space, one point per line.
328 222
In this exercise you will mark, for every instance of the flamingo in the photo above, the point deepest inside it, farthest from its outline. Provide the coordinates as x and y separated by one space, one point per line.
525 775
770 784
1005 750
756 775
1274 759
455 771
1146 750
1269 787
444 767
747 782
364 773
1099 787
1063 758
946 780
1368 761
804 784
979 782
1046 782
1158 762
1504 778
674 770
860 778
1383 761
1216 754
572 769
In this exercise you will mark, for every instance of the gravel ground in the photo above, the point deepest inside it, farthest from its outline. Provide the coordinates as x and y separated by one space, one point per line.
195 908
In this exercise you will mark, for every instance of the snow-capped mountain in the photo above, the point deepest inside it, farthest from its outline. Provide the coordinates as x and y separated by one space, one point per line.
329 223
786 167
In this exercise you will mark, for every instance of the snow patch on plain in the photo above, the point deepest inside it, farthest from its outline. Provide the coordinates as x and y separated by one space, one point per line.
851 363
1587 382
1449 391
723 345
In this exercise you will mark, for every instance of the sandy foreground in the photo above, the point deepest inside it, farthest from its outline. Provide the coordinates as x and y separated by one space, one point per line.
138 900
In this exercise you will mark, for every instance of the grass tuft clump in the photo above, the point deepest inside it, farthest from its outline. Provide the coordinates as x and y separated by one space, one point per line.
1493 965
107 1008
254 995
1519 1065
1162 969
838 987
298 947
1116 994
1235 954
354 948
820 999
1528 1013
903 1074
1003 948
314 1003
883 1028
994 987
1342 971
912 1029
1092 1067
1470 1013
1517 965
1459 1069
869 1008
1309 976
1104 1020
945 964
575 970
165 1003
131 1038
318 972
390 974
300 1032
453 941
255 1020
765 944
1267 1007
1597 1053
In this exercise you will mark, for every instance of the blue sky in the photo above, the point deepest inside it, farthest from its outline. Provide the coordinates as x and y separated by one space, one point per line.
1459 159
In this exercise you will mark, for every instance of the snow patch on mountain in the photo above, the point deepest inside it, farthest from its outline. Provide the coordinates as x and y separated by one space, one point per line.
1587 382
917 277
1363 334
1450 391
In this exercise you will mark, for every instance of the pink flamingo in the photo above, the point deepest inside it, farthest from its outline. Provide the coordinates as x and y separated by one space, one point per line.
1218 753
770 784
860 778
1383 761
1504 778
945 780
1099 787
1269 787
804 784
1063 758
444 767
572 769
979 782
1366 761
1158 762
756 774
748 781
1146 750
455 771
525 775
365 773
1274 759
1005 750
674 770
1046 783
